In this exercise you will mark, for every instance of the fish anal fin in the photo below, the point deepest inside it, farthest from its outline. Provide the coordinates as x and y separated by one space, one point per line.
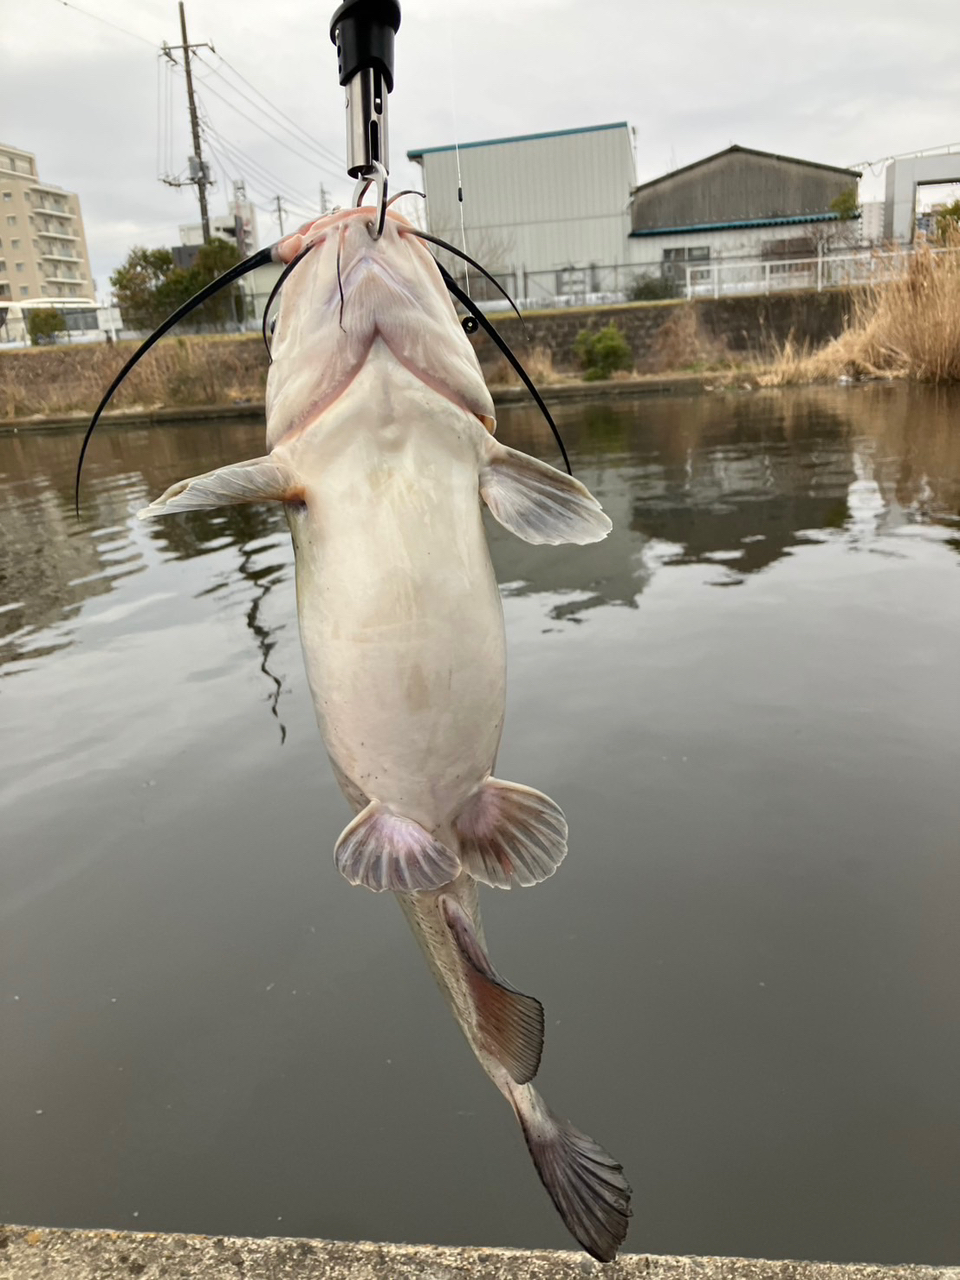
537 502
383 850
584 1182
510 834
509 1023
257 480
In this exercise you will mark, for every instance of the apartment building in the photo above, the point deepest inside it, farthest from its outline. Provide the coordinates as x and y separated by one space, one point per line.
43 250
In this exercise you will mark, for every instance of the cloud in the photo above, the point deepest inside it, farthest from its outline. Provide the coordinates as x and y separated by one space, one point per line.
829 82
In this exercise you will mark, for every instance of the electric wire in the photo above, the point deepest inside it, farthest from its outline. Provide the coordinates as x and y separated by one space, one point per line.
297 133
267 183
208 88
107 23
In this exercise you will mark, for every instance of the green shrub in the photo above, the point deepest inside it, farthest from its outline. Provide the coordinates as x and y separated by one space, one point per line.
602 351
649 288
43 325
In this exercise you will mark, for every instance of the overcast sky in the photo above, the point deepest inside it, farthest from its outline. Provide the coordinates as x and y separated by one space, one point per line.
839 81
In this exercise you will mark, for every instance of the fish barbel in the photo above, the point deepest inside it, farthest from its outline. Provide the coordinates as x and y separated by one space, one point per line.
380 445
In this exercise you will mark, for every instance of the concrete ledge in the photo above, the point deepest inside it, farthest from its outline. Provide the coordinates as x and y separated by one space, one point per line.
553 393
50 1253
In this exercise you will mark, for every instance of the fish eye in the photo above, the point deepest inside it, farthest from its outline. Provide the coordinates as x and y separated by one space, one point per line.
470 324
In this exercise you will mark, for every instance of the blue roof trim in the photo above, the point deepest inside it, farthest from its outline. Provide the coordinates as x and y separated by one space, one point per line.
736 226
520 137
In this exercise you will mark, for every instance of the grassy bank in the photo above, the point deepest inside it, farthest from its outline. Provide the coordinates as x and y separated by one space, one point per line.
906 328
50 382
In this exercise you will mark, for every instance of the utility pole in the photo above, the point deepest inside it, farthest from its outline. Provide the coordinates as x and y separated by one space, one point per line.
195 129
280 215
199 172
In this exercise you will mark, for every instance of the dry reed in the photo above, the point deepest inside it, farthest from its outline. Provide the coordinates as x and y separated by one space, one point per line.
904 327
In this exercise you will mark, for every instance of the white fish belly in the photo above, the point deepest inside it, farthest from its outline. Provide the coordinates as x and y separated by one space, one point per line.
400 615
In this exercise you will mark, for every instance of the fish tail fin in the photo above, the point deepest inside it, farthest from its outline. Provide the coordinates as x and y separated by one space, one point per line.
586 1184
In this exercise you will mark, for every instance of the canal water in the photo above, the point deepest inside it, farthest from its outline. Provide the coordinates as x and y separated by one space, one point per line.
747 700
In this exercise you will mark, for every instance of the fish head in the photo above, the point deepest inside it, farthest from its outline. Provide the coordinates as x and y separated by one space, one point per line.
348 292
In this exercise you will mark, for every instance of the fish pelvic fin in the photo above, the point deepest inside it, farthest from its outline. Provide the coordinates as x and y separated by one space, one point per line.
584 1182
258 480
537 502
509 1023
383 850
510 834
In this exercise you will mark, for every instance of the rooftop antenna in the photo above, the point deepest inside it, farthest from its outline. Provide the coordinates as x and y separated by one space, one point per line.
363 31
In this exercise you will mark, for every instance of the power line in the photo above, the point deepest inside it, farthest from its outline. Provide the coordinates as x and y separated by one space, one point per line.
238 155
272 136
268 183
298 133
107 23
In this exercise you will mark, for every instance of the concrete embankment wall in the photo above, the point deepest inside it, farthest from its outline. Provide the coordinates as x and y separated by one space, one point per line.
737 326
55 1254
231 370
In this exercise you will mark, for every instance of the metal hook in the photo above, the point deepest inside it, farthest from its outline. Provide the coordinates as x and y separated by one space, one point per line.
381 179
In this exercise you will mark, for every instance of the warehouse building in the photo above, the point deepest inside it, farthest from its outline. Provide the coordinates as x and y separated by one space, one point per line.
543 211
740 204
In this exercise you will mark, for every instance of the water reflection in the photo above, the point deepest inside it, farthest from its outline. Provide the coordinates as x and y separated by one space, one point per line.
736 482
761 786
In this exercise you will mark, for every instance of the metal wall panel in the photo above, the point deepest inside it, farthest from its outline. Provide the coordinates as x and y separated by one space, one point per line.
536 204
737 186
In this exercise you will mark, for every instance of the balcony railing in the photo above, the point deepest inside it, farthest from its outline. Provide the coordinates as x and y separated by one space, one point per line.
58 235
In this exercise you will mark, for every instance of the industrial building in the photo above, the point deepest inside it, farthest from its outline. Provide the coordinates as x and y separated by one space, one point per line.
558 218
43 249
537 209
742 204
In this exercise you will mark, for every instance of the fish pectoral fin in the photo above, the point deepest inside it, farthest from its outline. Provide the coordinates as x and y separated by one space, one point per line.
382 850
258 480
537 502
586 1184
509 1023
510 834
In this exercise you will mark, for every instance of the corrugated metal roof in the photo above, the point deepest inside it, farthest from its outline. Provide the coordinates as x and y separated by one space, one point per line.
737 226
520 137
747 151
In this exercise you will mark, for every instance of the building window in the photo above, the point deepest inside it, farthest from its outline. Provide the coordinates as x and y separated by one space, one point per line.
26 196
3 264
8 195
675 263
14 244
11 219
24 291
19 266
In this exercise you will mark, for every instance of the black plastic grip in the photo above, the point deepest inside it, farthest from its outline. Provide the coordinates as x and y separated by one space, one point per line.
363 32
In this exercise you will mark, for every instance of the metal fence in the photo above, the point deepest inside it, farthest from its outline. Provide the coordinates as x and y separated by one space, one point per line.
721 278
603 284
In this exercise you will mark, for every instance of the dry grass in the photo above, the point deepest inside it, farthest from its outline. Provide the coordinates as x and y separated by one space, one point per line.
681 343
538 363
907 327
48 381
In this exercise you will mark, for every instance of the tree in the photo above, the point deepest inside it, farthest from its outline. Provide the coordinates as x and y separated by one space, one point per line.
845 205
213 260
43 325
150 286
